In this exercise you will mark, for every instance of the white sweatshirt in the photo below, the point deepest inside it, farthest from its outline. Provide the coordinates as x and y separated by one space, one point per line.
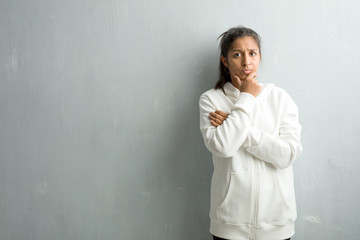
252 188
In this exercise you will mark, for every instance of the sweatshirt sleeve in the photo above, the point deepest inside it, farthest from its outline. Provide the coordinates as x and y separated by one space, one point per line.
280 150
226 139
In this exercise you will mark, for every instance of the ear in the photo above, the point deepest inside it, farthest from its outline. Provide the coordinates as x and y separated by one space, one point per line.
223 60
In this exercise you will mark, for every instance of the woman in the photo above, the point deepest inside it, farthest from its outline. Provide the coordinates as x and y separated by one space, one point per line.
253 133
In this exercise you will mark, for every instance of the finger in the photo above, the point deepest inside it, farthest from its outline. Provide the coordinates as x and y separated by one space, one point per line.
218 121
223 114
217 116
251 76
214 123
237 79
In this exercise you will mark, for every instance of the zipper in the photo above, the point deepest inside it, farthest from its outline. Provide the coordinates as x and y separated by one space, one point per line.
254 222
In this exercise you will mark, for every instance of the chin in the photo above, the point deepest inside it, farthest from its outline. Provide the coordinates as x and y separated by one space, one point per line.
243 77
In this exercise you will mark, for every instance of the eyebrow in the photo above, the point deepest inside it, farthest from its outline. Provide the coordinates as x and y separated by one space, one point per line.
234 50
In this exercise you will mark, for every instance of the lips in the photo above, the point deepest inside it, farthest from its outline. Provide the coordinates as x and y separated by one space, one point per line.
246 71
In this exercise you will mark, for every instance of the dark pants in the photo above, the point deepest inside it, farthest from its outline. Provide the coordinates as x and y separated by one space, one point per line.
217 238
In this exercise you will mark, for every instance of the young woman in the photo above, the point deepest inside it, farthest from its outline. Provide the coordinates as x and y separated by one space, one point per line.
253 133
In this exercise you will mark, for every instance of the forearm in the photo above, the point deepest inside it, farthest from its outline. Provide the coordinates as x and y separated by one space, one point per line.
226 139
280 151
283 146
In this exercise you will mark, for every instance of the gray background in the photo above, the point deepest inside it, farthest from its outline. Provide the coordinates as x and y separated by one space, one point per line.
99 125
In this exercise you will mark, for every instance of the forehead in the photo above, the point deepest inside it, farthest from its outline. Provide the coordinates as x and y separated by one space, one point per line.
244 43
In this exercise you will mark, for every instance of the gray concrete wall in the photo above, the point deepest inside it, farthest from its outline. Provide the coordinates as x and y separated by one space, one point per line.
99 128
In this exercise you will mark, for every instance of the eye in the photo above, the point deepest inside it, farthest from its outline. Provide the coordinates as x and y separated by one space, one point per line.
253 53
237 54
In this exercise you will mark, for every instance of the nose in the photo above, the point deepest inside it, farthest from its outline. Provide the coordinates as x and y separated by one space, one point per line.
245 60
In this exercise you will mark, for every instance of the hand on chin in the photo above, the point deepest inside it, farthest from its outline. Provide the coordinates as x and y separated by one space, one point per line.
236 81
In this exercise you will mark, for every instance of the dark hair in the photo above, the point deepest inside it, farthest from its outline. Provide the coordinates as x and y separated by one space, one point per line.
227 38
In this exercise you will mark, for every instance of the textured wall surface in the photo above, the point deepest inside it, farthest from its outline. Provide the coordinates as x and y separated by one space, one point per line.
99 125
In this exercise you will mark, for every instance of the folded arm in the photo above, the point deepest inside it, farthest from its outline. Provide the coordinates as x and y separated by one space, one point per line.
280 150
228 137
